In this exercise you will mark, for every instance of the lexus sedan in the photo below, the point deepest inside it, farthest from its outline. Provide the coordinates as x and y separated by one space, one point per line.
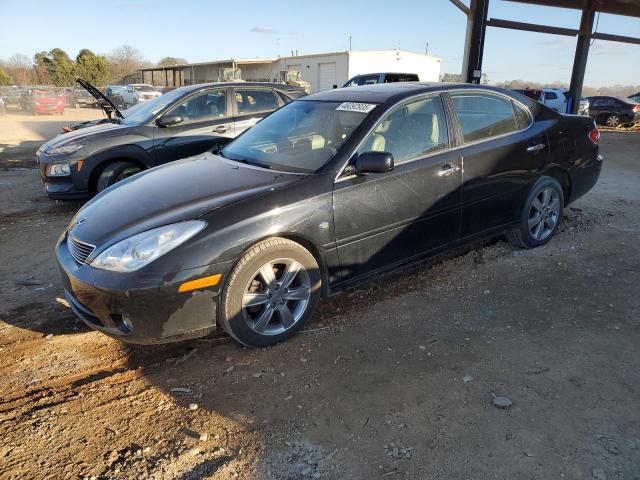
331 190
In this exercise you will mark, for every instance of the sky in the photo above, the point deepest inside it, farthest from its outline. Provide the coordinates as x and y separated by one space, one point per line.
201 30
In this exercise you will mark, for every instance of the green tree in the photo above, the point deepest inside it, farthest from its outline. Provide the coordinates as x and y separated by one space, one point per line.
4 78
451 77
57 66
91 67
170 61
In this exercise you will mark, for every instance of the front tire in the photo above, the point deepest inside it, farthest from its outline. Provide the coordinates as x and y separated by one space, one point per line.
114 173
271 293
541 214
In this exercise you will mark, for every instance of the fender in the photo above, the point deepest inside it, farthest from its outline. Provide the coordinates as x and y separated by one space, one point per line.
97 161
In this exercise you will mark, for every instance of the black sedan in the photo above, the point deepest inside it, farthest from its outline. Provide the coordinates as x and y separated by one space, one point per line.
614 111
326 192
183 122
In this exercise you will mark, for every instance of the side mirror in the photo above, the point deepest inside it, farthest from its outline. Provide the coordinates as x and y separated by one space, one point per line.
169 120
374 162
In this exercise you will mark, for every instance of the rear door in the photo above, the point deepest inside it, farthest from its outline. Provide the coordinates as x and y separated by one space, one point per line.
252 104
206 125
502 149
383 219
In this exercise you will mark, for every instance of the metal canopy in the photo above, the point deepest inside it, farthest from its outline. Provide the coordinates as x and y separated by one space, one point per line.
478 21
630 8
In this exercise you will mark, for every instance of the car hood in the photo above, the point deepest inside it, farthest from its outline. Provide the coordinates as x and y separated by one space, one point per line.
105 104
84 135
177 191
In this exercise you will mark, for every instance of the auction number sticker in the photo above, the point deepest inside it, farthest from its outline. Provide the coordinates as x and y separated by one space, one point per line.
356 107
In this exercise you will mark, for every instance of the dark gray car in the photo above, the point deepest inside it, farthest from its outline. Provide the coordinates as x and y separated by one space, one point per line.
181 123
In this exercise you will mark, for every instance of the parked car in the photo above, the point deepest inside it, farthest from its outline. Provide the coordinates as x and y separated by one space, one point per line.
583 106
184 122
614 111
80 97
11 95
635 97
326 192
114 94
39 102
374 78
137 93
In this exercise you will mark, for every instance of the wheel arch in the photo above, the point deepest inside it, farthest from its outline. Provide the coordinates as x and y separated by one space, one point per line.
563 178
304 242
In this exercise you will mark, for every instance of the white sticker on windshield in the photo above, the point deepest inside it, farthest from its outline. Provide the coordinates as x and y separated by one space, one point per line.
356 107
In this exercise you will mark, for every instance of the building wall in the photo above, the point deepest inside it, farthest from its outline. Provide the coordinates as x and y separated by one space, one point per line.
426 66
310 67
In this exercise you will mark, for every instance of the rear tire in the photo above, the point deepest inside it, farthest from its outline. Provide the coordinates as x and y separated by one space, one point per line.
260 311
114 173
541 215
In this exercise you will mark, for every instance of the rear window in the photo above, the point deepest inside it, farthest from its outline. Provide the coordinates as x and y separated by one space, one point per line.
485 115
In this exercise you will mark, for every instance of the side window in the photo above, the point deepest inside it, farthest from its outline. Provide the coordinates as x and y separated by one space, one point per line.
523 117
204 106
410 131
483 115
393 78
551 95
255 100
598 103
369 79
356 82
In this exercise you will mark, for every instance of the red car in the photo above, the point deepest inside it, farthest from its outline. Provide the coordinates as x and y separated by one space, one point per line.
44 101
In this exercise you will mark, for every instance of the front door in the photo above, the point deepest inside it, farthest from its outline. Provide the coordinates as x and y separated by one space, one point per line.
206 125
382 219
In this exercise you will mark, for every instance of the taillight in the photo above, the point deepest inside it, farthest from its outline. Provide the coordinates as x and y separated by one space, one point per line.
594 135
636 108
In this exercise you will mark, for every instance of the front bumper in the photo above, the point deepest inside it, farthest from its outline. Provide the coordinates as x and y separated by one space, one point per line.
139 307
59 188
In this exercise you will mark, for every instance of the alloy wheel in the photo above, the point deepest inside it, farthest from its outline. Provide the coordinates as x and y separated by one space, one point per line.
613 121
276 297
544 213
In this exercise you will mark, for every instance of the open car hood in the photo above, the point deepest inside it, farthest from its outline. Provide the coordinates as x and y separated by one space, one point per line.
107 107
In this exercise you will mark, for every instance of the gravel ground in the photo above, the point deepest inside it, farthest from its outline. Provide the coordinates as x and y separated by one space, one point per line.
395 379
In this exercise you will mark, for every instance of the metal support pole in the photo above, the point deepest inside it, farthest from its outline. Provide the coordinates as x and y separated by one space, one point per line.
580 59
474 45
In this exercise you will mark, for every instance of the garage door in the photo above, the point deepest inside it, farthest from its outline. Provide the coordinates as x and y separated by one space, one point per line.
326 76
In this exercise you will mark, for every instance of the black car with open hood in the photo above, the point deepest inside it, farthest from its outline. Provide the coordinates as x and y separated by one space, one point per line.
183 122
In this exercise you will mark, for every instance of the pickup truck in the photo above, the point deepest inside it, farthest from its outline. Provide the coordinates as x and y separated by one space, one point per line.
138 92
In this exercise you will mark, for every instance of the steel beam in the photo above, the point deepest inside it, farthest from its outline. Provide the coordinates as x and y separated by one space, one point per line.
474 46
581 56
615 38
531 27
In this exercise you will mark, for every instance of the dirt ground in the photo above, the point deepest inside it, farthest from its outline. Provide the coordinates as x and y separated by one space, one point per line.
392 380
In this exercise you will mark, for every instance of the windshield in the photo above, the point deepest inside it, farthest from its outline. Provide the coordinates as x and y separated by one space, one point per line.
145 111
143 88
300 137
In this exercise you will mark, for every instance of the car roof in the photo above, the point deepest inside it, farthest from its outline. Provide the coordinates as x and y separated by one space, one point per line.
381 92
197 86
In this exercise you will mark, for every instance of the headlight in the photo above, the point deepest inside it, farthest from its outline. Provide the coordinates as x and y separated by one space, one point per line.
58 170
64 150
135 252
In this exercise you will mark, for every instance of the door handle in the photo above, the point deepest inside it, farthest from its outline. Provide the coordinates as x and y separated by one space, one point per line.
448 170
535 148
220 129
